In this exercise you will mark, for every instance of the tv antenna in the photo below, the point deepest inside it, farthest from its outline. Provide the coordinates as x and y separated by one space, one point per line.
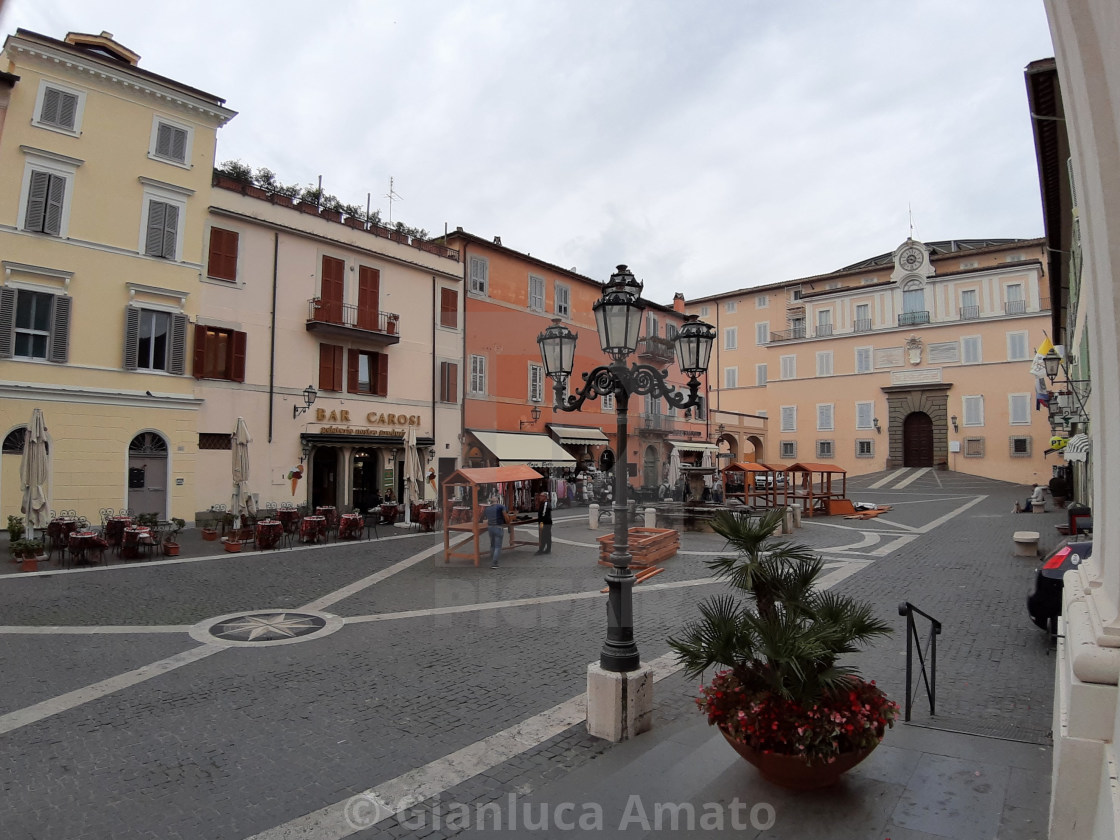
392 196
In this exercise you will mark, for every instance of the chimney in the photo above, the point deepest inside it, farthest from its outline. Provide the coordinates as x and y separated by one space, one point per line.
497 240
678 303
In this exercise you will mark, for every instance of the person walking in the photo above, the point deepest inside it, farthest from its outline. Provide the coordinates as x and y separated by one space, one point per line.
496 518
544 524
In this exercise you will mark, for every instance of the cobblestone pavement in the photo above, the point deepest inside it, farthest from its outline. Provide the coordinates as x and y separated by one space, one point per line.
118 723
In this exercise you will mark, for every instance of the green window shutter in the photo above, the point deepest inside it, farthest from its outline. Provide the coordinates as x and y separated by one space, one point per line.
131 336
7 321
178 361
37 201
59 351
56 192
153 241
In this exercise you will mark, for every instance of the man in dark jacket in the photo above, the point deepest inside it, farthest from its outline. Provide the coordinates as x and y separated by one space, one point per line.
544 522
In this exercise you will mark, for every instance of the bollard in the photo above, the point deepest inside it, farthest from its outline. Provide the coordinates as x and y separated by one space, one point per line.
650 517
787 521
593 516
796 515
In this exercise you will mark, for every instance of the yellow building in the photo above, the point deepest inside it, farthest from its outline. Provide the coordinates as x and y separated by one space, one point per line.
916 358
370 318
105 174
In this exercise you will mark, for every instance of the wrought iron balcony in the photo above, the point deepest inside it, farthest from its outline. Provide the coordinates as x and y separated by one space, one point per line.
657 349
787 335
910 319
970 313
661 423
823 330
861 325
341 319
1015 307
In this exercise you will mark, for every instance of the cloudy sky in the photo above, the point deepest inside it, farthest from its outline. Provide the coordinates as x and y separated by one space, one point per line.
709 145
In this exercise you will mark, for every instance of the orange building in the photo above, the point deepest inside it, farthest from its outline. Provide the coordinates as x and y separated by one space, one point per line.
508 414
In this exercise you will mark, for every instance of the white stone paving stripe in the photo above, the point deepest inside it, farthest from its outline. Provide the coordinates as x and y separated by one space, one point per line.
79 630
389 798
889 478
73 699
911 479
331 598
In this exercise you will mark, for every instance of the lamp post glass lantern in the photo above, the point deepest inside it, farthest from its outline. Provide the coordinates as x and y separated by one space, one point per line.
618 318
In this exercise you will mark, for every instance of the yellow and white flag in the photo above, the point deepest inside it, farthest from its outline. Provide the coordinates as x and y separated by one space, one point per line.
1038 369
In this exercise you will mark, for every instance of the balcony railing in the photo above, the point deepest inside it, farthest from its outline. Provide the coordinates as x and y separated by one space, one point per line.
787 335
657 423
823 330
659 349
970 313
861 325
337 317
909 319
1015 307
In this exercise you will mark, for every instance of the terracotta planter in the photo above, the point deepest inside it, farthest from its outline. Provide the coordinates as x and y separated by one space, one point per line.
357 224
209 534
29 564
232 545
282 200
791 771
170 549
330 215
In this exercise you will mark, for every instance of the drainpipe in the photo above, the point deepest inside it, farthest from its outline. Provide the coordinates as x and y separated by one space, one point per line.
435 368
272 333
463 354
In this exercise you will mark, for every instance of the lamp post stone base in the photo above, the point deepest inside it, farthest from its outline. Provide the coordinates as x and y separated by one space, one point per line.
619 705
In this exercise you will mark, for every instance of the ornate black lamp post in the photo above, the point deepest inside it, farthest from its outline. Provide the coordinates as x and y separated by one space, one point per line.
618 317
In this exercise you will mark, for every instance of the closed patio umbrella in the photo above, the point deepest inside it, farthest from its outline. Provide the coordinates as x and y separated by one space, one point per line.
34 467
241 503
674 476
413 474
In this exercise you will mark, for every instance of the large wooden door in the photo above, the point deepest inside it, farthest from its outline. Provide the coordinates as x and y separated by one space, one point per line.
917 440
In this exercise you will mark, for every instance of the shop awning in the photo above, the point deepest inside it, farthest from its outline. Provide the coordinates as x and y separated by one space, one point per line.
577 436
513 448
693 446
492 475
1077 449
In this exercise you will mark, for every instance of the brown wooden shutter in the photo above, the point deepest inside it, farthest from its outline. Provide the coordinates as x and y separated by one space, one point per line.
222 262
449 382
60 330
369 295
382 388
330 367
238 344
199 351
7 322
131 336
332 289
352 362
178 360
449 308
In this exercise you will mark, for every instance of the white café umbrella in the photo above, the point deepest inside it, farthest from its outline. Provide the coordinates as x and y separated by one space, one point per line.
413 473
34 467
706 462
674 469
242 502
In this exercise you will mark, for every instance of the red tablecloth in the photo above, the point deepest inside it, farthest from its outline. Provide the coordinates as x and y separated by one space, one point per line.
350 526
269 532
312 527
289 517
329 513
427 518
135 539
81 542
389 512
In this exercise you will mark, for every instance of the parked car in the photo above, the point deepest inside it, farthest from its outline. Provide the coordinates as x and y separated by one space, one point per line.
763 481
1044 605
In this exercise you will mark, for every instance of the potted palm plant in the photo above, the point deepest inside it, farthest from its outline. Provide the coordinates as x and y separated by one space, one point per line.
779 695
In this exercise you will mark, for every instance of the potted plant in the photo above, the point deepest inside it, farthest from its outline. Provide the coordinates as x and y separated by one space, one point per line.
170 539
28 553
331 208
779 695
309 200
15 528
1059 491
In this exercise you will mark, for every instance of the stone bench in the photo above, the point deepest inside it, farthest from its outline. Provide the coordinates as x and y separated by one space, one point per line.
1026 543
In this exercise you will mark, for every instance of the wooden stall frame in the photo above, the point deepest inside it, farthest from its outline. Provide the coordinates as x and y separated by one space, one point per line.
474 478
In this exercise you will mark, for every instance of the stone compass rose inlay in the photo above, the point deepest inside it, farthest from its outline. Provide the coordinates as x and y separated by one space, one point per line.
266 627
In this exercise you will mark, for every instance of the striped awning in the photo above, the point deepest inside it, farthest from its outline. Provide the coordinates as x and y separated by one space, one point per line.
1077 449
577 436
693 446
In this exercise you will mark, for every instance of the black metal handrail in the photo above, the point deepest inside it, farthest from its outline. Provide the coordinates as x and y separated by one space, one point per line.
909 319
928 678
348 315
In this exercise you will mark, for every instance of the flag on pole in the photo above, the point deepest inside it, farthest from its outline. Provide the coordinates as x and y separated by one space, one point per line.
1038 368
1041 394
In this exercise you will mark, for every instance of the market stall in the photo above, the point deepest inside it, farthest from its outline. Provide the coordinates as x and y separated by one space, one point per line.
754 484
465 495
812 486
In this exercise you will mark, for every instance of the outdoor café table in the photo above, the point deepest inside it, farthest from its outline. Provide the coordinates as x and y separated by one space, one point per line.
389 513
80 542
427 518
288 516
312 527
136 539
114 528
460 513
269 532
350 526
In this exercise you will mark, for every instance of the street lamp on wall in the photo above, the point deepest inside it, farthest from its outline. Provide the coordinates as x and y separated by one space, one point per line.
309 397
535 414
953 420
618 318
875 423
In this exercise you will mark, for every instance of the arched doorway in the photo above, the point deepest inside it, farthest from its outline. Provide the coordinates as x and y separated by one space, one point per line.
364 479
324 476
755 454
917 440
147 474
651 467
